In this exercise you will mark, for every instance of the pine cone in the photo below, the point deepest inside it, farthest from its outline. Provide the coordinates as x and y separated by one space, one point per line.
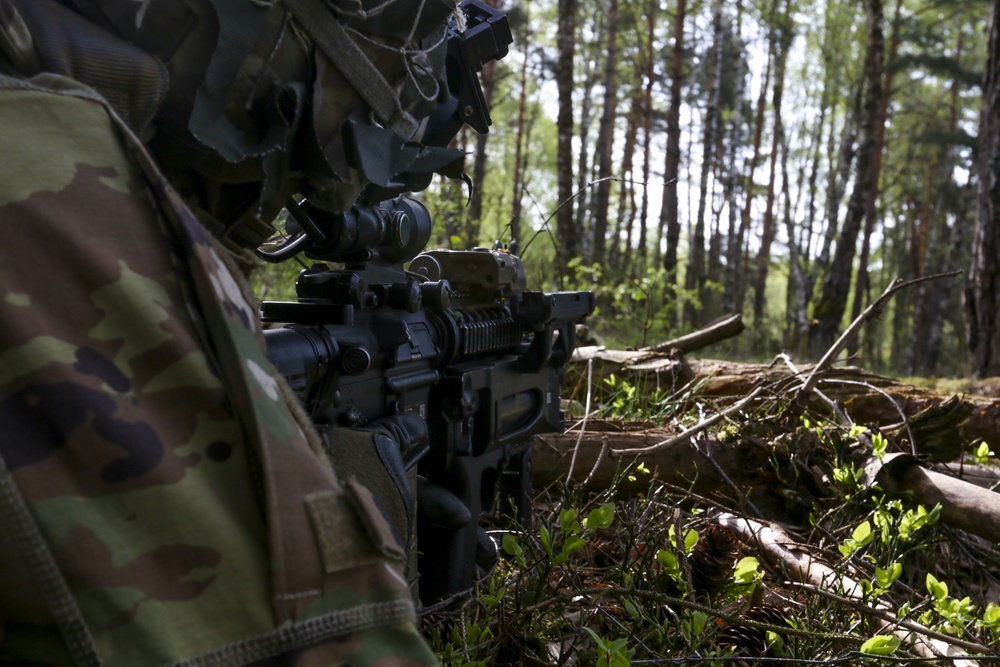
712 559
752 642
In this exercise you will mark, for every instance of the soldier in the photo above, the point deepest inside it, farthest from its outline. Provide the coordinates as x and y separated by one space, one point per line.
162 500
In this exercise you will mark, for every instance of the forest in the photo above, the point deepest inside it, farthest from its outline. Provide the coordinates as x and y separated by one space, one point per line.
783 159
828 175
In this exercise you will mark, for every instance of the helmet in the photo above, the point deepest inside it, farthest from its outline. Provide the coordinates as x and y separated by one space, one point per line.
270 98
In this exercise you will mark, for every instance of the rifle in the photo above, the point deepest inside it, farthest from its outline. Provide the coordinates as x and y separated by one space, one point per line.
457 338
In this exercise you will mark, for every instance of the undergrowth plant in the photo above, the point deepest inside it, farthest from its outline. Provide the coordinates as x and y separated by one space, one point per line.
609 580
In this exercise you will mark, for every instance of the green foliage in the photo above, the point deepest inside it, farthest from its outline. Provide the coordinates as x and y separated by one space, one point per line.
881 645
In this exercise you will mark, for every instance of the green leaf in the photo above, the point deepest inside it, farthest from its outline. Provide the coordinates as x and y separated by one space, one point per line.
937 589
693 623
690 540
889 575
601 517
881 645
511 546
667 559
632 610
857 430
546 538
572 545
601 644
566 519
863 533
991 616
745 571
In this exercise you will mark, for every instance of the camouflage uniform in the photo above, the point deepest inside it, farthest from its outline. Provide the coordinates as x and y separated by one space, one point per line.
161 501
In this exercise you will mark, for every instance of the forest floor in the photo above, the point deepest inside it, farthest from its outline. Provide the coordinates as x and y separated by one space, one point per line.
689 525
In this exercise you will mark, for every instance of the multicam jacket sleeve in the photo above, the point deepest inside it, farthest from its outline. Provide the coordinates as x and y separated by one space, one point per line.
159 501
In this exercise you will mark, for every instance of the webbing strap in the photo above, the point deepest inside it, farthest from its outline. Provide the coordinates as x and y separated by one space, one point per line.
337 44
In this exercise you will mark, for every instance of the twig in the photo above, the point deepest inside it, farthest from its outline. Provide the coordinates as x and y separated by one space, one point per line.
871 312
597 461
586 414
894 402
832 404
893 619
685 435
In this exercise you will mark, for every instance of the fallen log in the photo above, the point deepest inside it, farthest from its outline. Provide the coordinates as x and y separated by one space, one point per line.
964 505
929 423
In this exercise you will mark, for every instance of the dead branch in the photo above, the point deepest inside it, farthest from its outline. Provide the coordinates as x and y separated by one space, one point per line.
871 312
687 434
722 329
798 565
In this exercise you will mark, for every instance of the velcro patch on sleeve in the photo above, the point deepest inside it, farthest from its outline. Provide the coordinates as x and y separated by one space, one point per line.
350 529
376 525
338 531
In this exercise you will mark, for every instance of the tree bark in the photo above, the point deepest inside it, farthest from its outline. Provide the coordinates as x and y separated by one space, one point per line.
829 311
566 231
695 275
783 25
647 131
871 203
669 211
750 186
983 290
605 138
520 140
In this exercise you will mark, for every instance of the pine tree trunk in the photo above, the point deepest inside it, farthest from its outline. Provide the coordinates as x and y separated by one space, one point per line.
733 243
669 212
983 289
487 80
695 276
605 138
647 131
620 257
784 28
861 283
758 133
584 173
520 140
829 311
566 231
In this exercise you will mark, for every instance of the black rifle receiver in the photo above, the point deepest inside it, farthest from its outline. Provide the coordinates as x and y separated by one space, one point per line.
457 339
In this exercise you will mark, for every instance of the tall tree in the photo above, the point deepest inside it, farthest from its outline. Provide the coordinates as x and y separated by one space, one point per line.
861 282
784 26
488 81
749 184
696 274
647 128
983 289
566 230
829 310
605 137
734 249
520 140
669 210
